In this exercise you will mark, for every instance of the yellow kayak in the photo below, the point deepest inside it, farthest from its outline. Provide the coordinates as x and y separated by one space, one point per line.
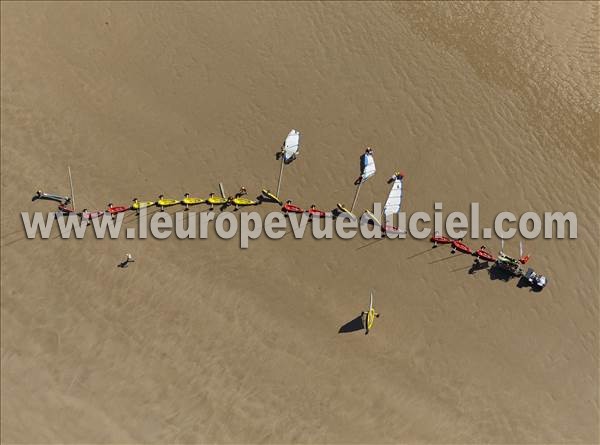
243 202
272 196
345 210
192 201
370 318
141 205
217 200
167 202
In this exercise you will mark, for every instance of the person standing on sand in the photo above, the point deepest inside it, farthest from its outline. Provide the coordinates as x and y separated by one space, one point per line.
396 175
128 259
241 193
137 207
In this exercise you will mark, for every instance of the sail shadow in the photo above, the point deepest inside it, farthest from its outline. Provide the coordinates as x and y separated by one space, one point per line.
420 253
370 244
447 258
352 326
477 266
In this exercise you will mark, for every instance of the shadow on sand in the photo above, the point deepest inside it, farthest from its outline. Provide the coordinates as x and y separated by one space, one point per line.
124 264
500 274
352 326
477 266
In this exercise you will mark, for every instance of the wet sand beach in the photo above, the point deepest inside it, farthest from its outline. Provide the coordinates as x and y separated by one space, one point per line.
202 342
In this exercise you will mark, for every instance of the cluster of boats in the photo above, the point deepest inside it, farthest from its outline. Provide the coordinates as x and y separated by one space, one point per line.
504 262
65 205
287 154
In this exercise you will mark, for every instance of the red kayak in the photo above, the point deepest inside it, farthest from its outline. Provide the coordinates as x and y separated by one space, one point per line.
484 255
117 209
462 247
63 208
391 229
440 239
91 215
315 212
291 208
524 259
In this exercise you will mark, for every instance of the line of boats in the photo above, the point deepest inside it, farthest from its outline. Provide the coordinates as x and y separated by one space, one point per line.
510 265
65 205
287 154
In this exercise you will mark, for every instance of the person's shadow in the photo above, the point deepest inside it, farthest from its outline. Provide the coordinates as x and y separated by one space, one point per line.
124 264
352 326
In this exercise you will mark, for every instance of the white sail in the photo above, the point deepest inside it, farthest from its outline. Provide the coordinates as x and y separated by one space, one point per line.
394 200
291 146
368 166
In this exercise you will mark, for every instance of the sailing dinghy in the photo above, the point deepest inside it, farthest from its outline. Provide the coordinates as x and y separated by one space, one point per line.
291 146
391 207
367 166
369 316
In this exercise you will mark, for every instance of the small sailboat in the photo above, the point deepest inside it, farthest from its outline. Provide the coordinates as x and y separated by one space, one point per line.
342 208
113 210
367 165
369 316
64 209
313 211
137 204
267 194
50 197
288 207
191 201
391 207
485 255
439 239
367 170
291 146
289 152
166 202
240 201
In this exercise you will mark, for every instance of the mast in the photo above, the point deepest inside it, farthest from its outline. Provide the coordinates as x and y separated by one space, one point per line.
71 184
356 195
280 175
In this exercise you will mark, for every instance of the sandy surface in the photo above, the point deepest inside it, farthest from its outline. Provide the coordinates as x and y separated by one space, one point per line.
200 341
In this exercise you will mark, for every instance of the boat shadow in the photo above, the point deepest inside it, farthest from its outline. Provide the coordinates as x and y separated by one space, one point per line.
496 273
420 253
353 325
477 266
